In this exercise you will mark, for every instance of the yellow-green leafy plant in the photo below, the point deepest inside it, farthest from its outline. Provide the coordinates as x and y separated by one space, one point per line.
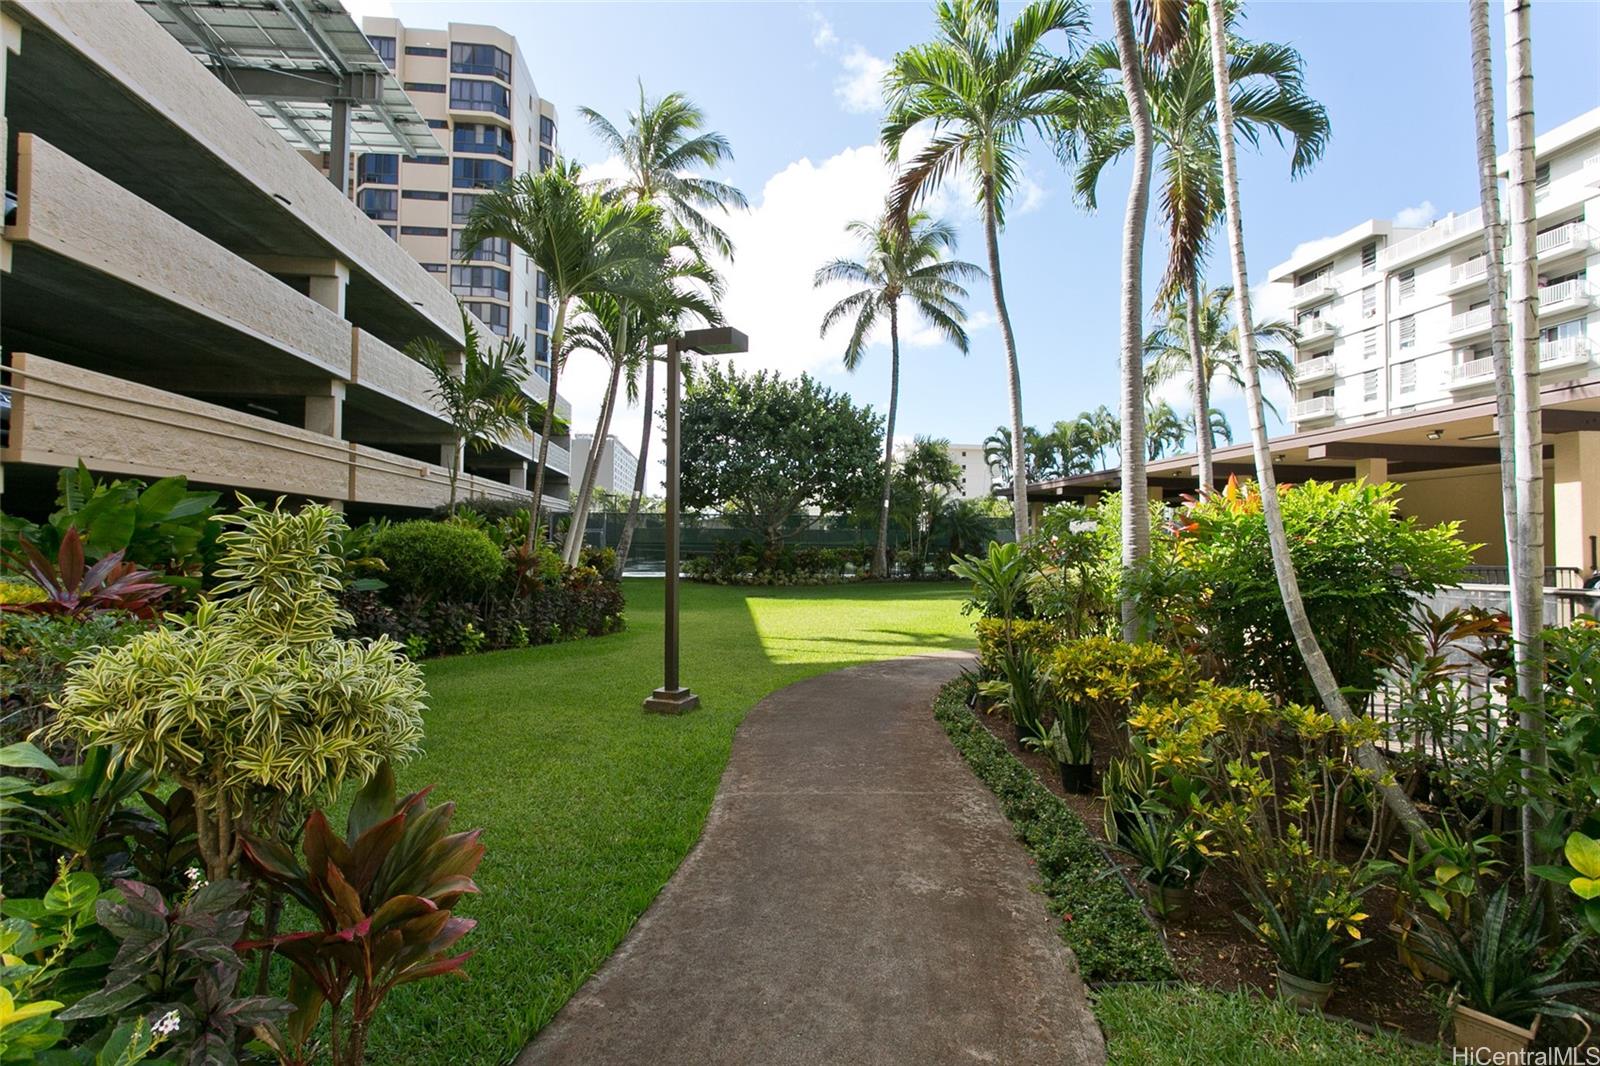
255 703
1110 678
1039 637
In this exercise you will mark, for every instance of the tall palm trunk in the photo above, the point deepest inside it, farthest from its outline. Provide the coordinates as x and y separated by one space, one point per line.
1203 444
591 466
557 335
1316 662
1527 592
1135 486
1019 461
625 541
880 558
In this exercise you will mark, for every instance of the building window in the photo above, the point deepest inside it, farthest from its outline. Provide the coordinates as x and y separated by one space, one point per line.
1408 332
430 160
480 281
541 348
480 96
496 316
541 316
493 249
490 140
382 204
547 130
437 123
542 286
483 59
419 50
423 231
1369 257
1408 377
384 46
423 194
1369 301
1369 387
1408 284
1541 175
543 370
377 169
436 268
424 87
461 207
480 173
546 158
388 231
1369 344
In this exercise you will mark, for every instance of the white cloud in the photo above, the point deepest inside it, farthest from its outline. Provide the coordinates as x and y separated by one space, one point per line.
360 9
822 35
1028 197
860 88
1417 215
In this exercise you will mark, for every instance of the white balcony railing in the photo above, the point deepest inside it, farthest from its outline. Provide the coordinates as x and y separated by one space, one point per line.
1316 330
1564 352
1442 232
1472 321
1572 237
1565 295
1471 272
1316 289
1313 369
1313 409
1472 372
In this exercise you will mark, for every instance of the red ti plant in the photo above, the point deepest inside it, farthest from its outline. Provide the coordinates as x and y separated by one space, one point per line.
75 590
382 895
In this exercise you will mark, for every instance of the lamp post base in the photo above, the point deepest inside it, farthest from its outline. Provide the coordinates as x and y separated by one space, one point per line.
671 701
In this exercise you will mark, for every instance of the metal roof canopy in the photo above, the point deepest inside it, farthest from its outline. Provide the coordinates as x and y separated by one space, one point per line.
305 68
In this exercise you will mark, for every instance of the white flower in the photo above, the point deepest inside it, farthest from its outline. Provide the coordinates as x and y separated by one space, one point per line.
167 1024
193 874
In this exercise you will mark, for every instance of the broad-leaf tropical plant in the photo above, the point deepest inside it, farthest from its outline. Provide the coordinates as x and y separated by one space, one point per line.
983 90
74 589
900 263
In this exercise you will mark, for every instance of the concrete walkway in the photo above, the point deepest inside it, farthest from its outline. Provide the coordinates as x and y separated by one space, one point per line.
856 897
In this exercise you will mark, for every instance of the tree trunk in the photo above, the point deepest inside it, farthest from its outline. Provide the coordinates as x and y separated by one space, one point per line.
1369 757
591 470
458 459
880 558
1527 593
1135 487
1203 443
556 337
1019 462
625 541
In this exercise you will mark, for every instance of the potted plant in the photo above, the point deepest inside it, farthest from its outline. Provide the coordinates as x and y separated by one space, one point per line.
1503 982
1170 861
1436 886
1067 742
1310 920
1018 692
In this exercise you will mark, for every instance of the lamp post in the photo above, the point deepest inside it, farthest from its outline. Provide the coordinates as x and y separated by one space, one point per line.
672 697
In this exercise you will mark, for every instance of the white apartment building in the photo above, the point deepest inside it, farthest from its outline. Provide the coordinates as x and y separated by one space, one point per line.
473 88
618 464
1394 320
977 477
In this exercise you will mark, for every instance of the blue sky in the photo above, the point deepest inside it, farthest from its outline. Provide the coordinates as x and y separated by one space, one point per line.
792 86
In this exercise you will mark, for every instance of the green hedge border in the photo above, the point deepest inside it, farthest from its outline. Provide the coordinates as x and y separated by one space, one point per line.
1106 928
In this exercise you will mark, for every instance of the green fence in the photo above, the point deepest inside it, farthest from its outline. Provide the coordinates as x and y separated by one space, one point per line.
702 532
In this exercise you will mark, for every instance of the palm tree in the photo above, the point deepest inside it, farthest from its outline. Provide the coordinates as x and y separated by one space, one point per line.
664 145
480 392
1527 594
1170 347
582 240
906 263
1163 430
998 453
1268 97
1316 662
620 329
983 91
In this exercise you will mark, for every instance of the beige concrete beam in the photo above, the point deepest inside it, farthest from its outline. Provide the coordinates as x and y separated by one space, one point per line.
1576 516
328 277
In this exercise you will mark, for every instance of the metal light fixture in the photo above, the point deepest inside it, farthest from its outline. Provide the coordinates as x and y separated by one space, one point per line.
672 697
1435 434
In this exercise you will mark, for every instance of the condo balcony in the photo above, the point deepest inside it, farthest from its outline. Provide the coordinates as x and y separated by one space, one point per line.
1317 332
1561 353
1309 370
1469 323
1314 291
1316 409
1570 295
1569 239
1471 373
1449 230
1468 275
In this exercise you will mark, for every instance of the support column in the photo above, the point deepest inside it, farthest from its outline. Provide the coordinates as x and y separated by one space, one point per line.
1375 471
519 476
325 411
339 146
1576 517
327 278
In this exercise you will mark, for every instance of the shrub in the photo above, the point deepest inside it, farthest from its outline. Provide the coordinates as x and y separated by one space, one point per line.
445 560
255 702
35 652
1037 635
1111 677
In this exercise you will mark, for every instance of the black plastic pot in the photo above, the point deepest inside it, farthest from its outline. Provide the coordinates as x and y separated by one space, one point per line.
1022 734
1077 776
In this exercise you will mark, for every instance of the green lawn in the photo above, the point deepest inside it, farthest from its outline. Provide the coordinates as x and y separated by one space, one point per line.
588 804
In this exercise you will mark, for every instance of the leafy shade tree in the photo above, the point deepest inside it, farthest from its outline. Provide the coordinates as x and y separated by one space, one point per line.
925 477
983 90
907 264
1323 681
1268 97
480 391
584 242
770 449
